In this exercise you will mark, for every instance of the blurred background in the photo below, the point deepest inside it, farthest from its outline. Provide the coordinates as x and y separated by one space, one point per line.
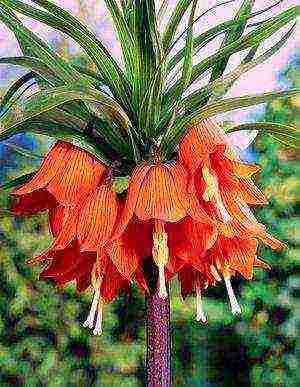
42 341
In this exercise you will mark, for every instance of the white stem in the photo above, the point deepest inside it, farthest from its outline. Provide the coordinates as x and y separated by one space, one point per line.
235 308
199 305
162 293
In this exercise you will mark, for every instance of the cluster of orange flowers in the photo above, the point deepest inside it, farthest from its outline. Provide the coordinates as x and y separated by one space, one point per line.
190 214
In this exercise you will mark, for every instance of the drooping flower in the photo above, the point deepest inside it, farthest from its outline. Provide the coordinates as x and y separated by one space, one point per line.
158 193
83 250
223 183
65 177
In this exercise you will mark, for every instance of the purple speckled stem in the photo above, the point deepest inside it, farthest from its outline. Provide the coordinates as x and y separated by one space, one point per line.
158 342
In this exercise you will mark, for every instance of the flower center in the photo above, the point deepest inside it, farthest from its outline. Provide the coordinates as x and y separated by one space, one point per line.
212 193
160 253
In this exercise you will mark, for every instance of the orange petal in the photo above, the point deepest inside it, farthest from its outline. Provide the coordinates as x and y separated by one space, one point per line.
158 197
79 176
199 141
32 203
250 193
97 218
56 219
137 178
112 283
68 231
126 260
53 162
240 254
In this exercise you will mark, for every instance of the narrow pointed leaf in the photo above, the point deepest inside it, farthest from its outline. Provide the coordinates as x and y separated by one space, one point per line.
14 88
174 134
235 33
188 59
46 100
217 89
175 19
17 181
61 20
285 134
251 39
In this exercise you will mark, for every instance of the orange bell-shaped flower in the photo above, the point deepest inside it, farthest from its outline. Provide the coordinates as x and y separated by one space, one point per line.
158 193
66 176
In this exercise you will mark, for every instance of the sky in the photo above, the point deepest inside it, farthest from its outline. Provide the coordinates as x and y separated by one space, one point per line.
263 78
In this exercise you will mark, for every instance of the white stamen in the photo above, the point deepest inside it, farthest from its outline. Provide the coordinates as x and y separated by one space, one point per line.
215 273
98 326
162 293
89 322
212 192
96 308
200 312
235 308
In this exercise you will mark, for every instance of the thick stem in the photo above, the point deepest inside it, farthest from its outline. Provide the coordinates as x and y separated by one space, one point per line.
158 341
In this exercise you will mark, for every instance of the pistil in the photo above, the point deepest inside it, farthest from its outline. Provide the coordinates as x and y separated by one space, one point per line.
160 252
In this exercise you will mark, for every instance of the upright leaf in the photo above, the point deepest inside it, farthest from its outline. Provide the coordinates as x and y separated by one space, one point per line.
235 33
173 24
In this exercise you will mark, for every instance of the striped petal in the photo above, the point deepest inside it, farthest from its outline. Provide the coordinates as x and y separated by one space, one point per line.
78 177
158 197
136 181
32 203
240 254
112 284
53 162
97 218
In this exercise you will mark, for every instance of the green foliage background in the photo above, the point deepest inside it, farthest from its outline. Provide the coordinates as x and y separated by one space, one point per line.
42 341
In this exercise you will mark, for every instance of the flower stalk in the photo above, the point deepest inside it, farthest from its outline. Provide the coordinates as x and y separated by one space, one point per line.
158 341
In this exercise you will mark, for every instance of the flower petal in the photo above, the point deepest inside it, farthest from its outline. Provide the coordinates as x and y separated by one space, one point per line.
79 176
137 178
97 218
158 197
32 203
53 162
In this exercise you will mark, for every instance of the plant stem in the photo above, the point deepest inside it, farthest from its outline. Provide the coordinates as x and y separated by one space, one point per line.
158 341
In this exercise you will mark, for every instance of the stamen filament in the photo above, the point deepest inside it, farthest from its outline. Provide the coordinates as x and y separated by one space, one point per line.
212 193
235 308
91 317
200 316
98 325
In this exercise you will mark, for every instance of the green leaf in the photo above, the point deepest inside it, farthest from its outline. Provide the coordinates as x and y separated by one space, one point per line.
35 65
285 134
174 134
173 24
14 88
16 182
46 100
235 33
196 42
61 20
251 39
188 57
125 38
217 89
40 50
